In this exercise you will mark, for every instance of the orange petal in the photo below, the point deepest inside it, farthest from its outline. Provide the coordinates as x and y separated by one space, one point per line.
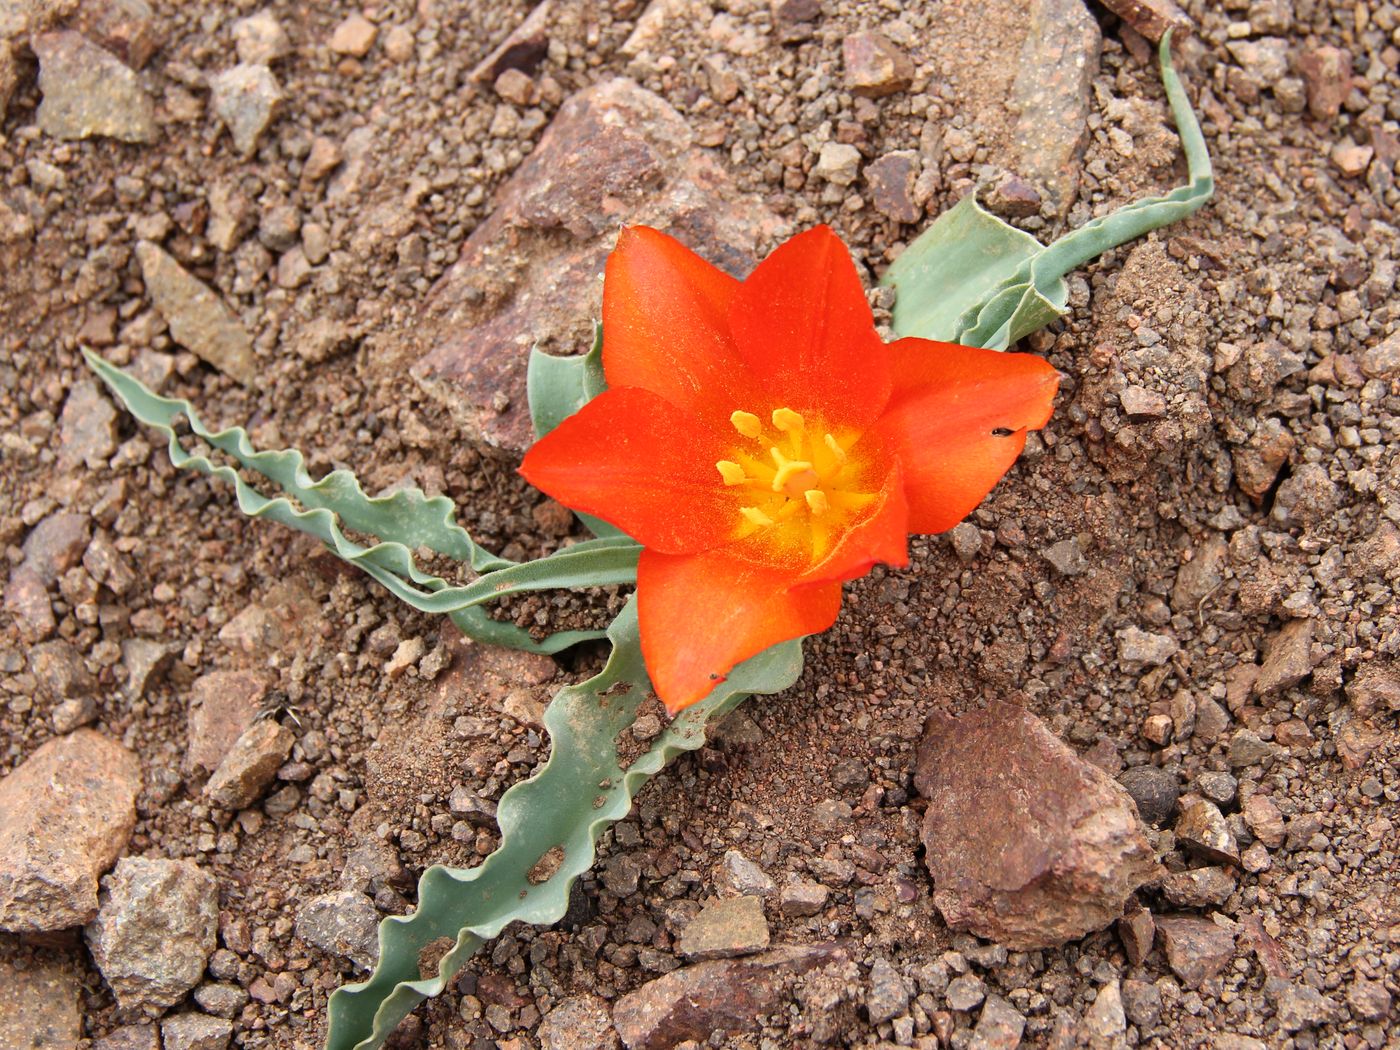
957 420
702 614
881 536
665 326
633 460
802 324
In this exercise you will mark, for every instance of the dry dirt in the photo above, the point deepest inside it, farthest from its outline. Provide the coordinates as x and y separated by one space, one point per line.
1242 329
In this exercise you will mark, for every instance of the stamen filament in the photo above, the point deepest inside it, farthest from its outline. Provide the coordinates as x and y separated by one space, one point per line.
756 516
816 501
836 450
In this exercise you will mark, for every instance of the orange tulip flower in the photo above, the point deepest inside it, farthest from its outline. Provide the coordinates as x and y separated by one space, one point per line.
763 444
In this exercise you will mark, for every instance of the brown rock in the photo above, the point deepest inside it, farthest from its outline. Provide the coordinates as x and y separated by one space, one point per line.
199 321
529 274
1375 689
55 545
1151 18
1288 659
1196 949
1058 61
1259 460
1202 829
354 36
1264 820
65 815
127 28
1199 887
40 1007
250 765
891 180
1327 71
222 705
88 91
27 600
580 1022
875 66
1137 929
722 996
523 49
1382 361
1028 844
725 928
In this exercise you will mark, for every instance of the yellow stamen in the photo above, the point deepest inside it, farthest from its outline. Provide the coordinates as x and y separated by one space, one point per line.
788 421
732 473
816 501
836 450
747 424
756 516
788 469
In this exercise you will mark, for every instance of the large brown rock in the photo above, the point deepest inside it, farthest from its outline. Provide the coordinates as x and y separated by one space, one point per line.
1028 844
722 996
65 815
223 704
615 153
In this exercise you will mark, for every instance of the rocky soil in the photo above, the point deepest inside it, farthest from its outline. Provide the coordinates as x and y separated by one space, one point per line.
1112 763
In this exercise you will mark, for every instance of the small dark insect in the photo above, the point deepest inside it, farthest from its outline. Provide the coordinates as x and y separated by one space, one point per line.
276 705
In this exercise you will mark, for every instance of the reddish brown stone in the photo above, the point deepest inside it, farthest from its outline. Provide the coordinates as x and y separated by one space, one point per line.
1151 18
1028 844
127 28
523 49
222 705
1196 949
1258 461
1137 929
1327 71
723 996
65 815
529 274
875 66
891 180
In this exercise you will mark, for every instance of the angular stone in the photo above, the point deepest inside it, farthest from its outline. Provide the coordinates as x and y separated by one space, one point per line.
523 49
199 321
801 897
1151 18
529 274
1105 1019
222 706
1375 689
146 661
40 1007
1300 1006
66 814
888 994
1028 844
195 1032
56 544
740 877
353 36
580 1022
1382 361
60 670
246 98
1327 72
999 1028
1067 557
1058 61
1142 1003
1138 649
344 923
130 1037
891 180
1137 929
1196 949
1200 577
127 28
27 601
154 931
260 39
724 928
1288 659
87 428
88 91
727 995
837 163
875 66
1199 887
1257 463
1203 830
250 765
1264 820
1368 1000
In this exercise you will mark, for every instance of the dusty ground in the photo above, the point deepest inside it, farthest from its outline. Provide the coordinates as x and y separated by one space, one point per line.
1230 356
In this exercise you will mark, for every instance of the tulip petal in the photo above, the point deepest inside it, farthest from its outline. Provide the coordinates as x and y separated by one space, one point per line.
630 458
802 323
880 537
700 615
665 326
957 420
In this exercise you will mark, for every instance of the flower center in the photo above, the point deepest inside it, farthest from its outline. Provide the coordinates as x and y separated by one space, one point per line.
795 484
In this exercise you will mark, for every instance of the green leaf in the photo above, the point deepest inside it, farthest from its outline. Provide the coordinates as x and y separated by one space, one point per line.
972 279
556 388
405 519
549 827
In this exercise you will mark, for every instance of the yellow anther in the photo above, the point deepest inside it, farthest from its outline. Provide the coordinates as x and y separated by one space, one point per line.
747 424
731 472
836 450
788 421
756 516
816 501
